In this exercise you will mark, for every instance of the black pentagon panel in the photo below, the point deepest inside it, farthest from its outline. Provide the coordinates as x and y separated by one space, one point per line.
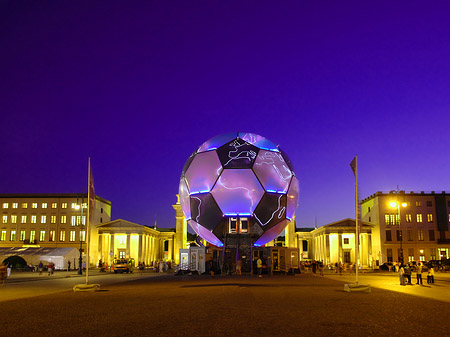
188 163
271 209
204 210
237 154
287 160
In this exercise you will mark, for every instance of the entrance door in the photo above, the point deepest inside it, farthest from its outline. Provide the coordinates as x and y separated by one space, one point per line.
347 257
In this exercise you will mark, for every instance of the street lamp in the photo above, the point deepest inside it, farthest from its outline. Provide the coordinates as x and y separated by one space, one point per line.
396 204
80 261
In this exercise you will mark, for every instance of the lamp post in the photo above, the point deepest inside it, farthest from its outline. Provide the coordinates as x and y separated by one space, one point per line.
80 261
396 204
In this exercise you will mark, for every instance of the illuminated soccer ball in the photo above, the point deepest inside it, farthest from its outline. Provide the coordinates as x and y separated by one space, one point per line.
238 175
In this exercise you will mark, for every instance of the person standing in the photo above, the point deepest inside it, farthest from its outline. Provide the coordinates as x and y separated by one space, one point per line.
259 266
8 270
40 267
419 273
401 275
238 267
408 273
68 265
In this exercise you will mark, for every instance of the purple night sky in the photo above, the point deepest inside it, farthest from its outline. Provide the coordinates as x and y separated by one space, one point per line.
139 85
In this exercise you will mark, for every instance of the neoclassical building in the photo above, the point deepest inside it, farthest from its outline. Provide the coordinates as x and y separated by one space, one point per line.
335 242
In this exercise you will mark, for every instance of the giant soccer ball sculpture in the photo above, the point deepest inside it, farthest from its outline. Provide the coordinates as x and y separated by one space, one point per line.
238 176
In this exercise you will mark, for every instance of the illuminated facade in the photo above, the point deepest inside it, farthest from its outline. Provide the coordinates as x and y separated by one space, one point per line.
335 242
50 220
125 239
238 186
416 224
59 221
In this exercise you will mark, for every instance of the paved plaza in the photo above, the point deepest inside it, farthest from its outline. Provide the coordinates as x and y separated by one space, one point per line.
167 305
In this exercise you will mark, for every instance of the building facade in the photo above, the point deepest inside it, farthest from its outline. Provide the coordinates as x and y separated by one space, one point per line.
50 220
60 221
412 225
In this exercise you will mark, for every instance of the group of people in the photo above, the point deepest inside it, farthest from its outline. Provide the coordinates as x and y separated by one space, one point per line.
405 271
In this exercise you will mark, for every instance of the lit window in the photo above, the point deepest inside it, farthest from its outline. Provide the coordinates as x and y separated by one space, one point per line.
43 219
33 219
64 205
418 203
51 236
420 235
52 218
244 225
430 217
62 236
22 235
32 236
83 236
79 220
233 225
13 236
5 205
408 218
24 219
74 205
5 219
419 217
84 205
432 253
122 240
72 236
25 205
73 220
3 236
15 205
14 218
63 218
386 219
42 236
44 205
410 234
54 205
34 205
449 218
83 220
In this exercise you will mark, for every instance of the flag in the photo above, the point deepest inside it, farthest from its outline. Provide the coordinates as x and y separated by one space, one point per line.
353 166
91 192
155 223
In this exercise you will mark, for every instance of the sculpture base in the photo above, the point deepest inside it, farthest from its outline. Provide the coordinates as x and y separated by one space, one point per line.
86 287
356 287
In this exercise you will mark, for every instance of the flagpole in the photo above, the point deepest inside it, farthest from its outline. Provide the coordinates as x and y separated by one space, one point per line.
357 222
88 220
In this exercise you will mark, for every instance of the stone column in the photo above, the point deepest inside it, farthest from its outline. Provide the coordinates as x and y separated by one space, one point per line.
140 249
100 246
111 249
127 251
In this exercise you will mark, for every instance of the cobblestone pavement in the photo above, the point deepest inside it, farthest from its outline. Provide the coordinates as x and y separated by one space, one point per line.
301 305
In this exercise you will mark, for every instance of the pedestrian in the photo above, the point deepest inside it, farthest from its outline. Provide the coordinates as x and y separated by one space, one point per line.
432 274
269 265
408 273
68 265
8 270
3 273
259 266
321 268
238 267
419 273
50 268
401 275
40 267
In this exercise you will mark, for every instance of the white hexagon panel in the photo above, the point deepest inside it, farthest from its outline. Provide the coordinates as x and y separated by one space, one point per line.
238 175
